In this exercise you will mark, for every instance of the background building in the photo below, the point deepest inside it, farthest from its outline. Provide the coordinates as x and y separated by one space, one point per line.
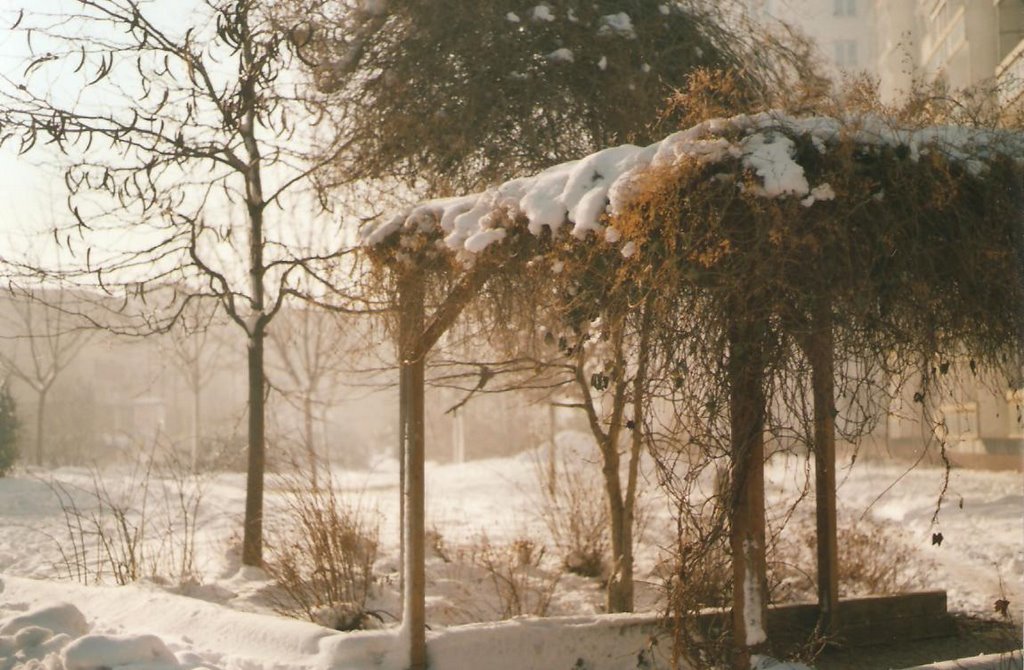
963 42
844 30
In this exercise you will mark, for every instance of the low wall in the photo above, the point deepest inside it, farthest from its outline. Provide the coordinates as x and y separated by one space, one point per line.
618 641
868 621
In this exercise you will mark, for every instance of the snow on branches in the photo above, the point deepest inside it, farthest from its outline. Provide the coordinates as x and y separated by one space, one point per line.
585 195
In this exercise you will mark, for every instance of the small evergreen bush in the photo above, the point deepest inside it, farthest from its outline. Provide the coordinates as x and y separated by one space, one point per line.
8 430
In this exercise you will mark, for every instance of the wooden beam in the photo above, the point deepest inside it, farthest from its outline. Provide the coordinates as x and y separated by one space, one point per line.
454 302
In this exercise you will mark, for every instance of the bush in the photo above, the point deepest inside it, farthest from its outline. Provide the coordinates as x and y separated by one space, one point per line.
8 431
144 526
323 559
223 453
514 569
872 561
576 517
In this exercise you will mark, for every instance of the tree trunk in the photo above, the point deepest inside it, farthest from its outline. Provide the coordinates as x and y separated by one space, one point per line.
403 423
252 539
620 584
747 533
412 430
619 594
40 423
627 589
821 352
552 451
307 429
196 409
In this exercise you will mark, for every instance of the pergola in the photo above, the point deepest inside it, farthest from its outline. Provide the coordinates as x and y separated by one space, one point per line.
857 233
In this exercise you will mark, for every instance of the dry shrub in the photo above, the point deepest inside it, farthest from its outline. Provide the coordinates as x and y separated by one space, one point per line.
144 528
323 557
438 544
181 494
514 570
574 512
873 561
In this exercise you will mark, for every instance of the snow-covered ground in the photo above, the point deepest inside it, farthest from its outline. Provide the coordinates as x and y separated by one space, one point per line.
224 618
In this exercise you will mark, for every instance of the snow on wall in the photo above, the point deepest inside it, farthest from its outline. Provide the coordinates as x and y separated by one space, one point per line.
767 663
191 635
1012 660
582 192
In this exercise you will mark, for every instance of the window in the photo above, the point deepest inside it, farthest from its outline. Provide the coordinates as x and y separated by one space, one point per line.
952 35
845 7
846 53
939 14
961 422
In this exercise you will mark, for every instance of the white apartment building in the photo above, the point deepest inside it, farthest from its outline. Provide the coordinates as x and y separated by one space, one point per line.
844 30
1010 48
965 42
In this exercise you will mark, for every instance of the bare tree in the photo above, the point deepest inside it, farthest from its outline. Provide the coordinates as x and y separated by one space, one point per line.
195 349
44 341
183 138
306 351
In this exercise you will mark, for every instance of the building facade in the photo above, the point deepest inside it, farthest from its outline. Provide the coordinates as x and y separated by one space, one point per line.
962 42
844 30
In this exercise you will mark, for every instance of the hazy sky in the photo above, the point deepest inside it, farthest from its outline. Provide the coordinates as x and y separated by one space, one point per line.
32 191
25 189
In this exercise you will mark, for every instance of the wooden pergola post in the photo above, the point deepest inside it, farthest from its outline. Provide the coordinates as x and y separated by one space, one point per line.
416 337
412 355
747 533
821 352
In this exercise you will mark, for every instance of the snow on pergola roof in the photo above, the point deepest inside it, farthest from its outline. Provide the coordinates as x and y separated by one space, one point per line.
579 193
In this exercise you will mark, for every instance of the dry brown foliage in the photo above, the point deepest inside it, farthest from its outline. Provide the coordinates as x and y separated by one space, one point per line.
323 560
